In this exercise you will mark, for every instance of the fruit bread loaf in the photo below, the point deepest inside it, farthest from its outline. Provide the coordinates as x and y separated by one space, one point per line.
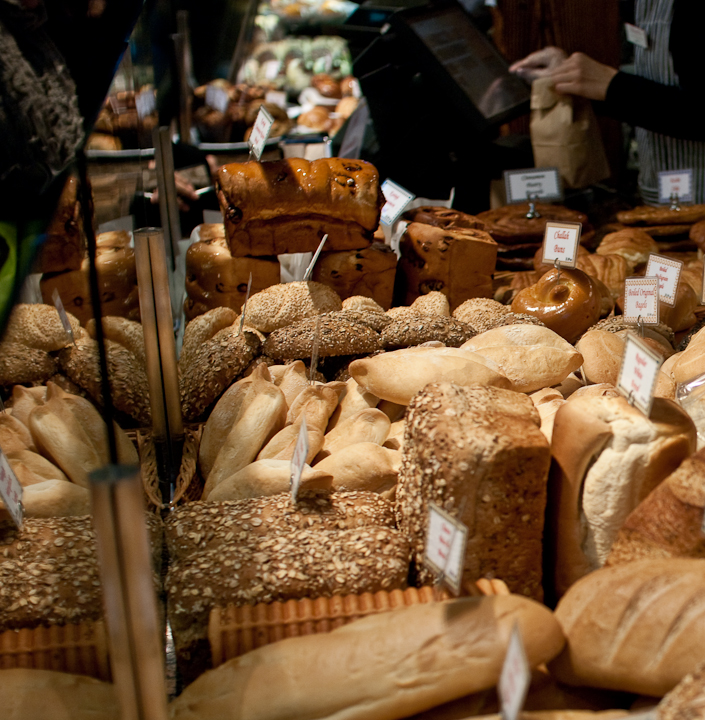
478 452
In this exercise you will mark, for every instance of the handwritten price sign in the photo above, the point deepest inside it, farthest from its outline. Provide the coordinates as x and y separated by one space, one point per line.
260 132
668 273
397 199
638 373
10 491
677 183
445 546
641 296
560 243
532 184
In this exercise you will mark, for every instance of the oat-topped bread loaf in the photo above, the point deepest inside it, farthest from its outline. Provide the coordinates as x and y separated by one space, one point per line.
287 206
478 452
265 549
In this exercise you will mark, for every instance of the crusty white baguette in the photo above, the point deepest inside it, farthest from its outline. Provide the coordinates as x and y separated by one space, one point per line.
362 466
368 425
638 627
382 667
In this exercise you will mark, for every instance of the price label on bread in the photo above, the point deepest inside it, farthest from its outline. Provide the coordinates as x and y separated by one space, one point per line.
638 373
675 185
533 184
298 460
260 132
397 199
641 300
444 553
560 243
668 272
515 678
62 315
10 491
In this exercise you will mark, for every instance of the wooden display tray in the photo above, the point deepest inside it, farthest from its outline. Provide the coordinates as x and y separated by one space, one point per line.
81 649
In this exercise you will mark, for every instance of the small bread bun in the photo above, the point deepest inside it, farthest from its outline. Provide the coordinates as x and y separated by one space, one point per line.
318 118
326 85
566 301
632 244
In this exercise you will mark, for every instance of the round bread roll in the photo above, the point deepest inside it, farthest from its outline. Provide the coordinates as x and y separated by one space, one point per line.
362 466
481 313
432 303
127 333
632 244
317 118
680 316
327 85
39 326
566 301
203 328
281 305
602 356
22 364
362 304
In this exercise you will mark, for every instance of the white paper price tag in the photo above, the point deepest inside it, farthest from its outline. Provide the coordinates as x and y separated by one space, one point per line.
444 553
641 300
515 678
298 461
217 98
397 199
638 373
636 35
145 103
675 184
10 491
62 315
533 184
260 132
560 243
668 272
276 97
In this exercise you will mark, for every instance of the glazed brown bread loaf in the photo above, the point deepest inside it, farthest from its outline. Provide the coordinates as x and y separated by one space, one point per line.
638 627
667 523
458 262
479 453
214 278
369 272
608 458
288 205
385 666
510 226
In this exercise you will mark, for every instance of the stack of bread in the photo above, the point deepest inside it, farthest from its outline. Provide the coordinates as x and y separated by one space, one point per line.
674 230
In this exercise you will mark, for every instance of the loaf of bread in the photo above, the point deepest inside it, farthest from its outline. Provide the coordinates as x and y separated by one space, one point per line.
14 435
638 627
458 262
369 272
50 499
687 699
632 244
478 452
667 523
214 278
287 206
117 280
443 217
510 226
647 215
608 458
385 666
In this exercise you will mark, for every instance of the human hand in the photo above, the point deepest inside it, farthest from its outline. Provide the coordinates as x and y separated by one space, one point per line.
583 76
539 64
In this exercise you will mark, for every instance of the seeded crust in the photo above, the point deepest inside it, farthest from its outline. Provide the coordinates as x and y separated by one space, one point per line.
362 303
616 324
337 337
477 452
127 376
39 326
213 367
203 328
127 333
49 571
687 700
432 303
21 364
377 321
481 313
414 331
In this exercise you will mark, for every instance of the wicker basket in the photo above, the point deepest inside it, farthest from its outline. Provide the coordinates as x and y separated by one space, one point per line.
81 649
235 630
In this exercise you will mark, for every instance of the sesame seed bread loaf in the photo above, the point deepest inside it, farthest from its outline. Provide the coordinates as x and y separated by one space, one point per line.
478 452
638 627
385 666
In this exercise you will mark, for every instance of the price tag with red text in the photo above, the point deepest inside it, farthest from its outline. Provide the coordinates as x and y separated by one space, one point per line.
397 199
641 300
533 184
515 678
675 185
560 243
444 553
668 272
638 373
10 491
260 132
298 460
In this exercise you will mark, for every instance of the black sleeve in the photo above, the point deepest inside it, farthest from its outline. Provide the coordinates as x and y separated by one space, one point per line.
669 110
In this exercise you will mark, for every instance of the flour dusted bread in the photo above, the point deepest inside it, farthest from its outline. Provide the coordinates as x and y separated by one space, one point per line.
609 457
384 666
477 452
638 627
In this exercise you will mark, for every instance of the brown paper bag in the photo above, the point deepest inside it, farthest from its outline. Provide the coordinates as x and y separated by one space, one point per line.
564 134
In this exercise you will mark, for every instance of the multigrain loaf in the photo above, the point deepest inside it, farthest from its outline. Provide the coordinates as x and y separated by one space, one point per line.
416 331
687 700
39 326
385 666
638 627
608 458
477 452
667 523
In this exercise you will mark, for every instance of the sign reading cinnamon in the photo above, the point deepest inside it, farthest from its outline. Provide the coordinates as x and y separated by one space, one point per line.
668 271
638 373
641 295
560 243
